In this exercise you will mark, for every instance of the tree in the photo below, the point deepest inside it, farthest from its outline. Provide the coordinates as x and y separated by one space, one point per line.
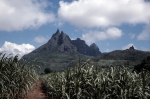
145 64
47 70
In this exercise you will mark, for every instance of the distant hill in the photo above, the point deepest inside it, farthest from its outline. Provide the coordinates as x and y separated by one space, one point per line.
129 57
60 50
128 54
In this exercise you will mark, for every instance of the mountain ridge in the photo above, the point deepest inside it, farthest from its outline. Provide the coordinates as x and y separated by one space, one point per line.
60 51
127 54
60 42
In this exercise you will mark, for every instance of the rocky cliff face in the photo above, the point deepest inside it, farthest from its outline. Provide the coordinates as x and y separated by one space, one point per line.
131 48
60 42
64 44
94 50
83 48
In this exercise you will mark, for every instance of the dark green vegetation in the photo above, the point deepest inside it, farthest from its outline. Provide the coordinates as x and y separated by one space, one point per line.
47 70
145 64
57 61
85 82
16 78
128 54
129 57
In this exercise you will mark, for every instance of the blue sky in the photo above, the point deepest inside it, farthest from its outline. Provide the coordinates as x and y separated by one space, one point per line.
111 24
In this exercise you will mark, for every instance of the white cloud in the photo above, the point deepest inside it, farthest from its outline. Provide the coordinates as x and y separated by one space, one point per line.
14 49
128 46
145 35
110 33
131 35
103 13
22 14
40 39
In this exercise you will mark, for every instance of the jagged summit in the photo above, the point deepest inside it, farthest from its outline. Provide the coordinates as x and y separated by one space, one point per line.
60 51
94 50
63 38
56 34
64 43
83 48
61 42
94 46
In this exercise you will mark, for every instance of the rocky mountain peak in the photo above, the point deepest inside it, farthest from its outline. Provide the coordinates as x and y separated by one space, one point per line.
56 34
64 43
131 48
64 38
94 49
55 37
78 41
60 42
83 48
94 46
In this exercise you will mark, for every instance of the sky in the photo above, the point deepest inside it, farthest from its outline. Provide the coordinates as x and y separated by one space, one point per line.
111 24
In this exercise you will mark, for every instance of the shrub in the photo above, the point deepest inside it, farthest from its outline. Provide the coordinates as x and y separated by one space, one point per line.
145 64
47 70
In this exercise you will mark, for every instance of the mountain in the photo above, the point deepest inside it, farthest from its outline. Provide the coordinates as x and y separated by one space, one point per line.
83 48
129 57
59 42
128 54
60 51
94 50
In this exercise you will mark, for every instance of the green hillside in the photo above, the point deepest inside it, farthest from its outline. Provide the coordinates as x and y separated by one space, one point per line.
57 61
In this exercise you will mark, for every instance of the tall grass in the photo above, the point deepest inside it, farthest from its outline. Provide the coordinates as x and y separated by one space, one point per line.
16 78
84 82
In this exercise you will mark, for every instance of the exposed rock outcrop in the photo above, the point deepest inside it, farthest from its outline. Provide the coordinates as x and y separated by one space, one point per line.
59 42
64 44
94 50
83 48
131 48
